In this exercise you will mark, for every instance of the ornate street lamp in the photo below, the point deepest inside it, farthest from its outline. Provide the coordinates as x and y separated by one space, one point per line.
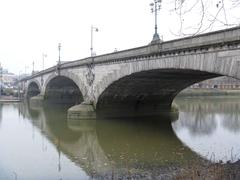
25 72
155 7
19 93
92 29
59 51
1 80
32 67
43 58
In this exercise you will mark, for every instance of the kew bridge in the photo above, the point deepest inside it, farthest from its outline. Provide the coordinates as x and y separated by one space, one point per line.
147 77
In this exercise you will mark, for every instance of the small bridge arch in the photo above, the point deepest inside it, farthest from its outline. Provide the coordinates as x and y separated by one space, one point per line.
33 89
63 88
72 76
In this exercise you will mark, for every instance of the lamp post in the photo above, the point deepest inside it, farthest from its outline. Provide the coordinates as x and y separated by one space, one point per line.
19 93
25 72
1 81
43 56
32 67
59 53
155 7
92 29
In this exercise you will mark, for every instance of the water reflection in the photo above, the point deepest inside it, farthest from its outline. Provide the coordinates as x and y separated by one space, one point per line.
105 146
210 126
26 152
196 120
108 148
232 122
0 114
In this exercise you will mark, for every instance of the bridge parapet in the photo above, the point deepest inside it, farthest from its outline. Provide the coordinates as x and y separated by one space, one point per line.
222 39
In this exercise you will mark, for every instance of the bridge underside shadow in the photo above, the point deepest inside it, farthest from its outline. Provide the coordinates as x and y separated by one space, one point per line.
147 92
62 90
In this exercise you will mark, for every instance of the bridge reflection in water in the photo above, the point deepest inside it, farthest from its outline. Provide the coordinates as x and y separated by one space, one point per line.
204 128
107 147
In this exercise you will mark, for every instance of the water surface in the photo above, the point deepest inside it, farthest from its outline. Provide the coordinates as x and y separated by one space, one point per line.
41 143
210 126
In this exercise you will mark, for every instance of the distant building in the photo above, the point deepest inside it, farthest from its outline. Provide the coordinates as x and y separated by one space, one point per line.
219 83
7 79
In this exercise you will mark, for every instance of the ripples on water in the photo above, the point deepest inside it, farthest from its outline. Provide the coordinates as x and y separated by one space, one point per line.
40 143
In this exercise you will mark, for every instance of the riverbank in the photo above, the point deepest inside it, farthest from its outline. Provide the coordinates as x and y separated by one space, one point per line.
203 170
9 99
208 92
196 170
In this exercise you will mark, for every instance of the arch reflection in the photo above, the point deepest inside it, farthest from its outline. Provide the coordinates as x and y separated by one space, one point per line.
107 147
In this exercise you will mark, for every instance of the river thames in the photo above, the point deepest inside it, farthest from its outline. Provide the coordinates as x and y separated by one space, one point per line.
41 143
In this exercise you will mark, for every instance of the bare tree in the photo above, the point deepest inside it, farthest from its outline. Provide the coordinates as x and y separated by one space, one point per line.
199 16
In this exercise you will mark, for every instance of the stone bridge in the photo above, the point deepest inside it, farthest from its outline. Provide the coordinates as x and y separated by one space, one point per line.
138 79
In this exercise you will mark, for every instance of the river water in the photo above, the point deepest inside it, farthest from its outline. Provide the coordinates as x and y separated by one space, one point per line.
41 143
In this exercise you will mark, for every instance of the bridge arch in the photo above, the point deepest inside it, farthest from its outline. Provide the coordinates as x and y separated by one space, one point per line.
165 76
71 76
150 91
63 88
33 89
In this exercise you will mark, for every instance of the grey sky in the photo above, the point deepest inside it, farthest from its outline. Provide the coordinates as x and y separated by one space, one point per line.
32 27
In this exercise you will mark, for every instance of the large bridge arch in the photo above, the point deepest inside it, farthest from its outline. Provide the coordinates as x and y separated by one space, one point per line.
200 65
33 88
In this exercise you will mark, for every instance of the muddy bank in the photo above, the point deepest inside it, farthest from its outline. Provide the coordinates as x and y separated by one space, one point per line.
208 92
9 99
196 170
203 170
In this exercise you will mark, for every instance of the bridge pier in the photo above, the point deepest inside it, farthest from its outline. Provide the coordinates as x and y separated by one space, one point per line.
83 111
36 100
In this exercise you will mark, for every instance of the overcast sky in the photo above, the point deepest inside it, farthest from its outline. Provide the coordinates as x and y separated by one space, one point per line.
32 27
